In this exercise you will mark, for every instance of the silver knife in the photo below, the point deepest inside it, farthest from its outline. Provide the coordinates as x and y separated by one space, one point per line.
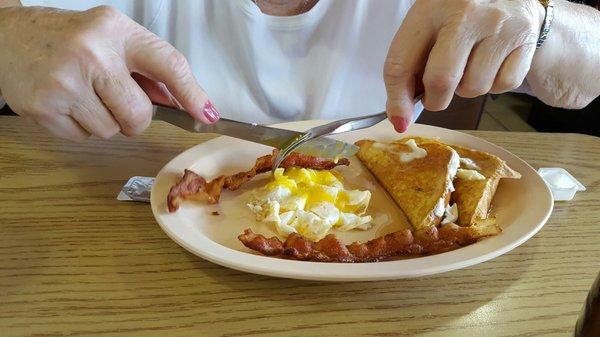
321 147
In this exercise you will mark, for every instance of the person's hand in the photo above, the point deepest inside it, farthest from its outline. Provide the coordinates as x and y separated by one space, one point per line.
91 73
467 47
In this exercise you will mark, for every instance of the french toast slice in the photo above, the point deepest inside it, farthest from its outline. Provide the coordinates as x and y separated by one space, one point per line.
420 186
473 197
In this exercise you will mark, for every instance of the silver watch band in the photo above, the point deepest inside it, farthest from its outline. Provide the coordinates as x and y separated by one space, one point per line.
547 23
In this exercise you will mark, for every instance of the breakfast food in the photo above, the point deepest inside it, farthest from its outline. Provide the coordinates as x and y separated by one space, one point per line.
476 181
423 176
419 178
432 240
474 196
309 202
194 187
444 190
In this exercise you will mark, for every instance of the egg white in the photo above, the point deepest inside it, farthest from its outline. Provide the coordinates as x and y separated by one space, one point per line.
310 203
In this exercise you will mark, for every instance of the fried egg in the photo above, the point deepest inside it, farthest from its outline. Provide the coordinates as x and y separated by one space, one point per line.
311 203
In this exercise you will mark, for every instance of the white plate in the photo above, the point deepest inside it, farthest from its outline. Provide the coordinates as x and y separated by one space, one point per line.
521 207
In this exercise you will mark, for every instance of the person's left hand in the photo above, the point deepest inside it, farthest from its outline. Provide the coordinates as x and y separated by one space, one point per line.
467 47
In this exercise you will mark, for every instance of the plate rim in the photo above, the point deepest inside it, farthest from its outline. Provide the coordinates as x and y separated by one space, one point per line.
305 273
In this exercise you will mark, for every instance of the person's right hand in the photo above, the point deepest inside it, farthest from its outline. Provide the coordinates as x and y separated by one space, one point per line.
91 73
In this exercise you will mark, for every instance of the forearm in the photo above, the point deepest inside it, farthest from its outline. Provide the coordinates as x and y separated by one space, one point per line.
565 71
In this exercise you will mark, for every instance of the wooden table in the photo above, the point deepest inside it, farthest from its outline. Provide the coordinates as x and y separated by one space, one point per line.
75 261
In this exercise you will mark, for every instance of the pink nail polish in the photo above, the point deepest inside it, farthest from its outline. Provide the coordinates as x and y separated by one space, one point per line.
400 123
210 112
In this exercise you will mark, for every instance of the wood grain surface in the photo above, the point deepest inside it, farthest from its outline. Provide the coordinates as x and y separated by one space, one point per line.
76 262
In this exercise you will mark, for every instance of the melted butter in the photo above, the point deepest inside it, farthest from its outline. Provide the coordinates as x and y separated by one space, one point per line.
451 214
382 146
469 175
454 164
439 209
415 152
469 164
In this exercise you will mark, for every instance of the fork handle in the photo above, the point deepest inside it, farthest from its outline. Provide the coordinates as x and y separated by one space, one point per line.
351 124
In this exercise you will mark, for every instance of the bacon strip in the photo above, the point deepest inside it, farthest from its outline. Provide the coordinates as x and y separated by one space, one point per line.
194 186
401 243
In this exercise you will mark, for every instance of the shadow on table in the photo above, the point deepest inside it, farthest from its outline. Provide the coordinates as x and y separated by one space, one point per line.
465 295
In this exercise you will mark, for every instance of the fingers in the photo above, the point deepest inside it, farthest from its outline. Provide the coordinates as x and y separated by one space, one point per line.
514 69
445 67
495 67
402 71
122 96
484 63
63 126
159 61
94 117
464 47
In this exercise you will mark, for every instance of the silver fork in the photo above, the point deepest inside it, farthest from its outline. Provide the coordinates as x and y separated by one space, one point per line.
336 127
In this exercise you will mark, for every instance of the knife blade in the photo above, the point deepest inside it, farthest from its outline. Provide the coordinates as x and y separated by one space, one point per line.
321 147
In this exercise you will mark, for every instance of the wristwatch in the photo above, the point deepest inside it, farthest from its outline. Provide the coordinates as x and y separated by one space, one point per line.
548 18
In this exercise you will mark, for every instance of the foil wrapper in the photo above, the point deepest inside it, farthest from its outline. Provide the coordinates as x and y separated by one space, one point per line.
137 189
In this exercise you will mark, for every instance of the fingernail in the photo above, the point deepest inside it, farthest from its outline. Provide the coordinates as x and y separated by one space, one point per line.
210 112
400 123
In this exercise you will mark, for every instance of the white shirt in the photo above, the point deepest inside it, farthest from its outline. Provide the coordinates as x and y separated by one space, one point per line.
324 64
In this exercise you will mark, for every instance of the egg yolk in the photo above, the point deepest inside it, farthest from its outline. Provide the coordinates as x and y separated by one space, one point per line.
279 179
311 202
315 186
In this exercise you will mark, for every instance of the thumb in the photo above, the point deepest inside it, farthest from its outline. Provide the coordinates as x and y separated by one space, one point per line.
402 96
156 91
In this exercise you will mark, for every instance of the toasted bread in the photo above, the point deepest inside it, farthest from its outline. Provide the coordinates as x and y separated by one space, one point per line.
421 187
473 197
